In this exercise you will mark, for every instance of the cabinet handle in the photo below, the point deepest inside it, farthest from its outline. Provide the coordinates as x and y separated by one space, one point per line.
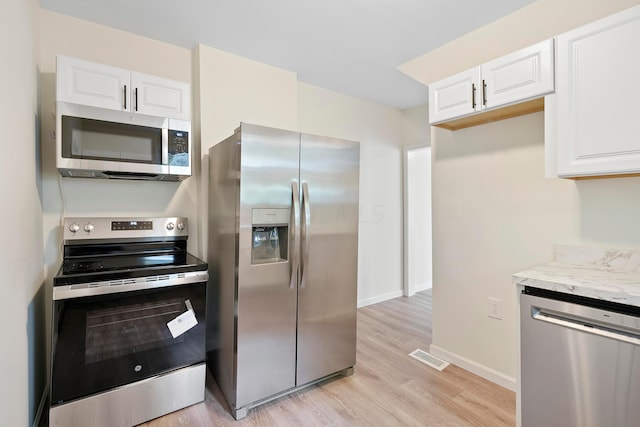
484 93
125 97
473 96
136 92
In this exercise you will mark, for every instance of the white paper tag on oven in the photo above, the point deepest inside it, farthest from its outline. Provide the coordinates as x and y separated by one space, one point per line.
184 322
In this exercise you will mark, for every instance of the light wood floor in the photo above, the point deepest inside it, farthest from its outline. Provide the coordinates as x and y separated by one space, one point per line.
388 388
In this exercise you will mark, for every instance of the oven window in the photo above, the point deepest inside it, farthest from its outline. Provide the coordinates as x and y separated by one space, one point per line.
119 331
100 140
107 341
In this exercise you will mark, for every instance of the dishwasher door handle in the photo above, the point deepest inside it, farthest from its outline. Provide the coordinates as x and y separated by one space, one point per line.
602 331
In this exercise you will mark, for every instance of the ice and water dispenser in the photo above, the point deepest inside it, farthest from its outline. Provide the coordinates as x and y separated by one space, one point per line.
270 234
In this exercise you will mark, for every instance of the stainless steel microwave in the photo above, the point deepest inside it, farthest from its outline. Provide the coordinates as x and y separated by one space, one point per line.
100 143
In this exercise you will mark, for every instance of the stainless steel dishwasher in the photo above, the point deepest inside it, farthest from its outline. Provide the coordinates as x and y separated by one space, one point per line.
580 361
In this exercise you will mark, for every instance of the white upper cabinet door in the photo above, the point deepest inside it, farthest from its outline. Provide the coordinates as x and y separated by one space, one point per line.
89 83
455 96
522 75
157 96
597 111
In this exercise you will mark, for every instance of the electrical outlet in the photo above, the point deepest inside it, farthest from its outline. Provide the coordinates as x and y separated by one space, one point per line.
495 308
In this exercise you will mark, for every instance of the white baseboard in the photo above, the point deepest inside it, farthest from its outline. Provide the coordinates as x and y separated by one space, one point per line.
423 287
474 367
379 298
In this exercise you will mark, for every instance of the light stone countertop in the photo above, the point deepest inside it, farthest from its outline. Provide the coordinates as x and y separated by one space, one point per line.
605 274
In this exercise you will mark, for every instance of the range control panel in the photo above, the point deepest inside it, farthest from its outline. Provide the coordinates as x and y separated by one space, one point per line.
132 225
114 228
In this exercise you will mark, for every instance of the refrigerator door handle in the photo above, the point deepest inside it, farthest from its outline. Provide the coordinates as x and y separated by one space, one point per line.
295 225
305 235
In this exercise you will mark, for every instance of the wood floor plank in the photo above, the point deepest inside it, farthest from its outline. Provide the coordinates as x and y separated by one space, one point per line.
388 388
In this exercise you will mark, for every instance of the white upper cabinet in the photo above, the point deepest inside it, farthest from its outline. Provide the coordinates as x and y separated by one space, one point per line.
525 74
455 96
519 76
98 85
594 117
88 83
156 96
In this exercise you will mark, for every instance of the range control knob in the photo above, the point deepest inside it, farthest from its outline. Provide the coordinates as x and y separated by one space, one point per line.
74 228
88 227
170 226
181 226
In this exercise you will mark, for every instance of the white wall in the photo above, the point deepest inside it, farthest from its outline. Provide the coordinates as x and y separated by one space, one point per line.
417 131
379 130
65 35
233 89
227 89
22 302
61 34
494 214
67 197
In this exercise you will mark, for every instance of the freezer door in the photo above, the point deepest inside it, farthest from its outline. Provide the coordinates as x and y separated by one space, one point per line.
266 296
329 176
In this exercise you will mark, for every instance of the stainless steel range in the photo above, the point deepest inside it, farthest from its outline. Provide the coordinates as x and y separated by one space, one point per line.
128 330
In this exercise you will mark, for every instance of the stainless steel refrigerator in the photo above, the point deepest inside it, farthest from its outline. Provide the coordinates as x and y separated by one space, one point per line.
282 252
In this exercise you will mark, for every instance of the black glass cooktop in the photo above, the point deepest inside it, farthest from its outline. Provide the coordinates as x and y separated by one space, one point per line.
117 261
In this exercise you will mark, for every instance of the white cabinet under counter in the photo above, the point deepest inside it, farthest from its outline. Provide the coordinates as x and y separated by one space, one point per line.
455 102
592 120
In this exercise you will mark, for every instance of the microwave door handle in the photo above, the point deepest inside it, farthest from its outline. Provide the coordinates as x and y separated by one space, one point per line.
165 146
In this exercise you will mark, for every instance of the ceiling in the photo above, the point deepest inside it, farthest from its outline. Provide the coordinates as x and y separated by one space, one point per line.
349 46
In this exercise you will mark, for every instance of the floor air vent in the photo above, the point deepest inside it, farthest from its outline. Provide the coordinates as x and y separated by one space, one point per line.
430 360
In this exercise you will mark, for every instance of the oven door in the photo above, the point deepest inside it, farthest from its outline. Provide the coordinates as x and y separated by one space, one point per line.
106 341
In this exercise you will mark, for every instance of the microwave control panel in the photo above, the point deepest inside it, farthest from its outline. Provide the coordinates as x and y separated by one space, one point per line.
178 142
178 148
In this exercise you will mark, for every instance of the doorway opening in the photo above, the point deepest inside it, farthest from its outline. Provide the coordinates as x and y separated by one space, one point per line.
417 220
